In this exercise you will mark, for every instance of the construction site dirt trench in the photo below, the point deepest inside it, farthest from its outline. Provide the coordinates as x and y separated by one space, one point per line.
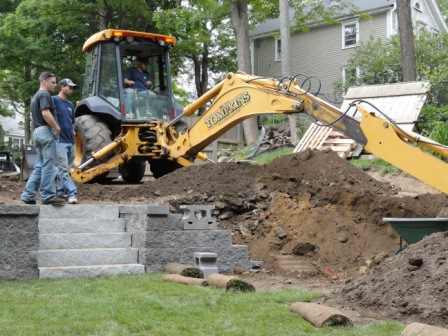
310 215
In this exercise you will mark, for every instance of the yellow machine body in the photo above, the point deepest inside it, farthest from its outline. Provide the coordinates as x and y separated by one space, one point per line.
241 96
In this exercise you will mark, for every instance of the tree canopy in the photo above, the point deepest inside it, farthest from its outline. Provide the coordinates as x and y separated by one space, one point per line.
378 62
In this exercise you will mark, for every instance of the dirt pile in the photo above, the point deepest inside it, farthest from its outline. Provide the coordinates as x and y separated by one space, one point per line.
312 198
412 285
307 199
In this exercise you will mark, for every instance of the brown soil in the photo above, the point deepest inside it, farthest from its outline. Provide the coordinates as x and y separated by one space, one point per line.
311 200
410 286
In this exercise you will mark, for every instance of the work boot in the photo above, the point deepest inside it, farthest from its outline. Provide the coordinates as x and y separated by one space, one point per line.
56 201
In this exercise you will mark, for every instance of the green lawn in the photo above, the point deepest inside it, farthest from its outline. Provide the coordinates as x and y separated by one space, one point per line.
268 157
145 305
377 165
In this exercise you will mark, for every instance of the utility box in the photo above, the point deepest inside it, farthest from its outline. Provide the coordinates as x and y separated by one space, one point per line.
206 262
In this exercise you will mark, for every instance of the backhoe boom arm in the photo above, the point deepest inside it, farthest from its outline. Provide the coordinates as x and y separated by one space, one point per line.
241 96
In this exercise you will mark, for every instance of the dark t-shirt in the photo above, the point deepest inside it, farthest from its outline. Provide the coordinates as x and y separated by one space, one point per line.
139 77
66 118
41 101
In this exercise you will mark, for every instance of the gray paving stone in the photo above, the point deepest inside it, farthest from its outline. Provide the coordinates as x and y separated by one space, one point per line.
228 257
134 222
218 239
13 223
87 257
84 240
142 222
145 209
18 242
18 264
90 271
76 225
89 211
169 223
20 210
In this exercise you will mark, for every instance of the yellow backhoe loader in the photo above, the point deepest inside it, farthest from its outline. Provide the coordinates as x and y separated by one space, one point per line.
123 127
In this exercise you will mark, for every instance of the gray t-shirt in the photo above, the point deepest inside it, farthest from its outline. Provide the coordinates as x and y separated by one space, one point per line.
41 101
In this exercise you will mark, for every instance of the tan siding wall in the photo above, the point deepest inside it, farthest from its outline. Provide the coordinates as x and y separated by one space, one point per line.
317 53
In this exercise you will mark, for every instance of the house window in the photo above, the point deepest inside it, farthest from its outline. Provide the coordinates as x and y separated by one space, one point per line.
350 34
278 49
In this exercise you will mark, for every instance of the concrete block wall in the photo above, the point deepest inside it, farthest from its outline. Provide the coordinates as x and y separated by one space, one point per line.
160 237
19 241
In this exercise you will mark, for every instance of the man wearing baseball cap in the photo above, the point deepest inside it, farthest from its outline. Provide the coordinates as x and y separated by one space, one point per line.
65 112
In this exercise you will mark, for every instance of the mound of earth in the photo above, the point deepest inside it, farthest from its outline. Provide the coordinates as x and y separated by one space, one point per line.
410 286
306 199
311 200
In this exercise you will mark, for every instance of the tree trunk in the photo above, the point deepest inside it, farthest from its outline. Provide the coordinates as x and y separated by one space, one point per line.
26 104
240 23
201 71
105 14
286 58
204 75
407 46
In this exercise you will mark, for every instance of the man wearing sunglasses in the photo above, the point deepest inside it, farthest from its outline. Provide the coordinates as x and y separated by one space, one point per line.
45 132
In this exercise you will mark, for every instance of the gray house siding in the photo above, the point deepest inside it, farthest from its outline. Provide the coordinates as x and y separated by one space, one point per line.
318 52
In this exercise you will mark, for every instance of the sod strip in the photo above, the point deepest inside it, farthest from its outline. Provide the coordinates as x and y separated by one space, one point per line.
184 280
420 329
230 283
185 270
320 315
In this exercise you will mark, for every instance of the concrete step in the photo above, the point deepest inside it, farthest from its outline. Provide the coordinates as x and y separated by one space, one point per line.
89 211
55 241
79 225
87 257
90 271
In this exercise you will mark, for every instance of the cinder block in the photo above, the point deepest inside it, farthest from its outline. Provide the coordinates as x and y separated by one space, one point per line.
198 217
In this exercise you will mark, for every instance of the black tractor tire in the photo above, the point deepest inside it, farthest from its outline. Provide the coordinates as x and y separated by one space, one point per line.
162 167
94 135
133 170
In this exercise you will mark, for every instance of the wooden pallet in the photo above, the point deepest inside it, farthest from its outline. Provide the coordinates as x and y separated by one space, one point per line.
325 138
339 143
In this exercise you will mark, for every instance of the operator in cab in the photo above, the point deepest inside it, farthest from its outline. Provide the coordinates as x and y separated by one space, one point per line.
137 77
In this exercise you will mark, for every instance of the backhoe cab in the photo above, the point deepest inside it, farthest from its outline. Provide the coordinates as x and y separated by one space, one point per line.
112 106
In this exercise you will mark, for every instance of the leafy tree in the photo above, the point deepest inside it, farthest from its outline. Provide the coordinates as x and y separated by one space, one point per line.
204 38
44 36
378 62
443 4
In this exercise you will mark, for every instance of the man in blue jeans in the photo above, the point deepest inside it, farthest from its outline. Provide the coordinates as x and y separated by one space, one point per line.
46 131
66 119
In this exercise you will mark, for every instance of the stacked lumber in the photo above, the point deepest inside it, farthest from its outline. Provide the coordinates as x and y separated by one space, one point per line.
319 137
